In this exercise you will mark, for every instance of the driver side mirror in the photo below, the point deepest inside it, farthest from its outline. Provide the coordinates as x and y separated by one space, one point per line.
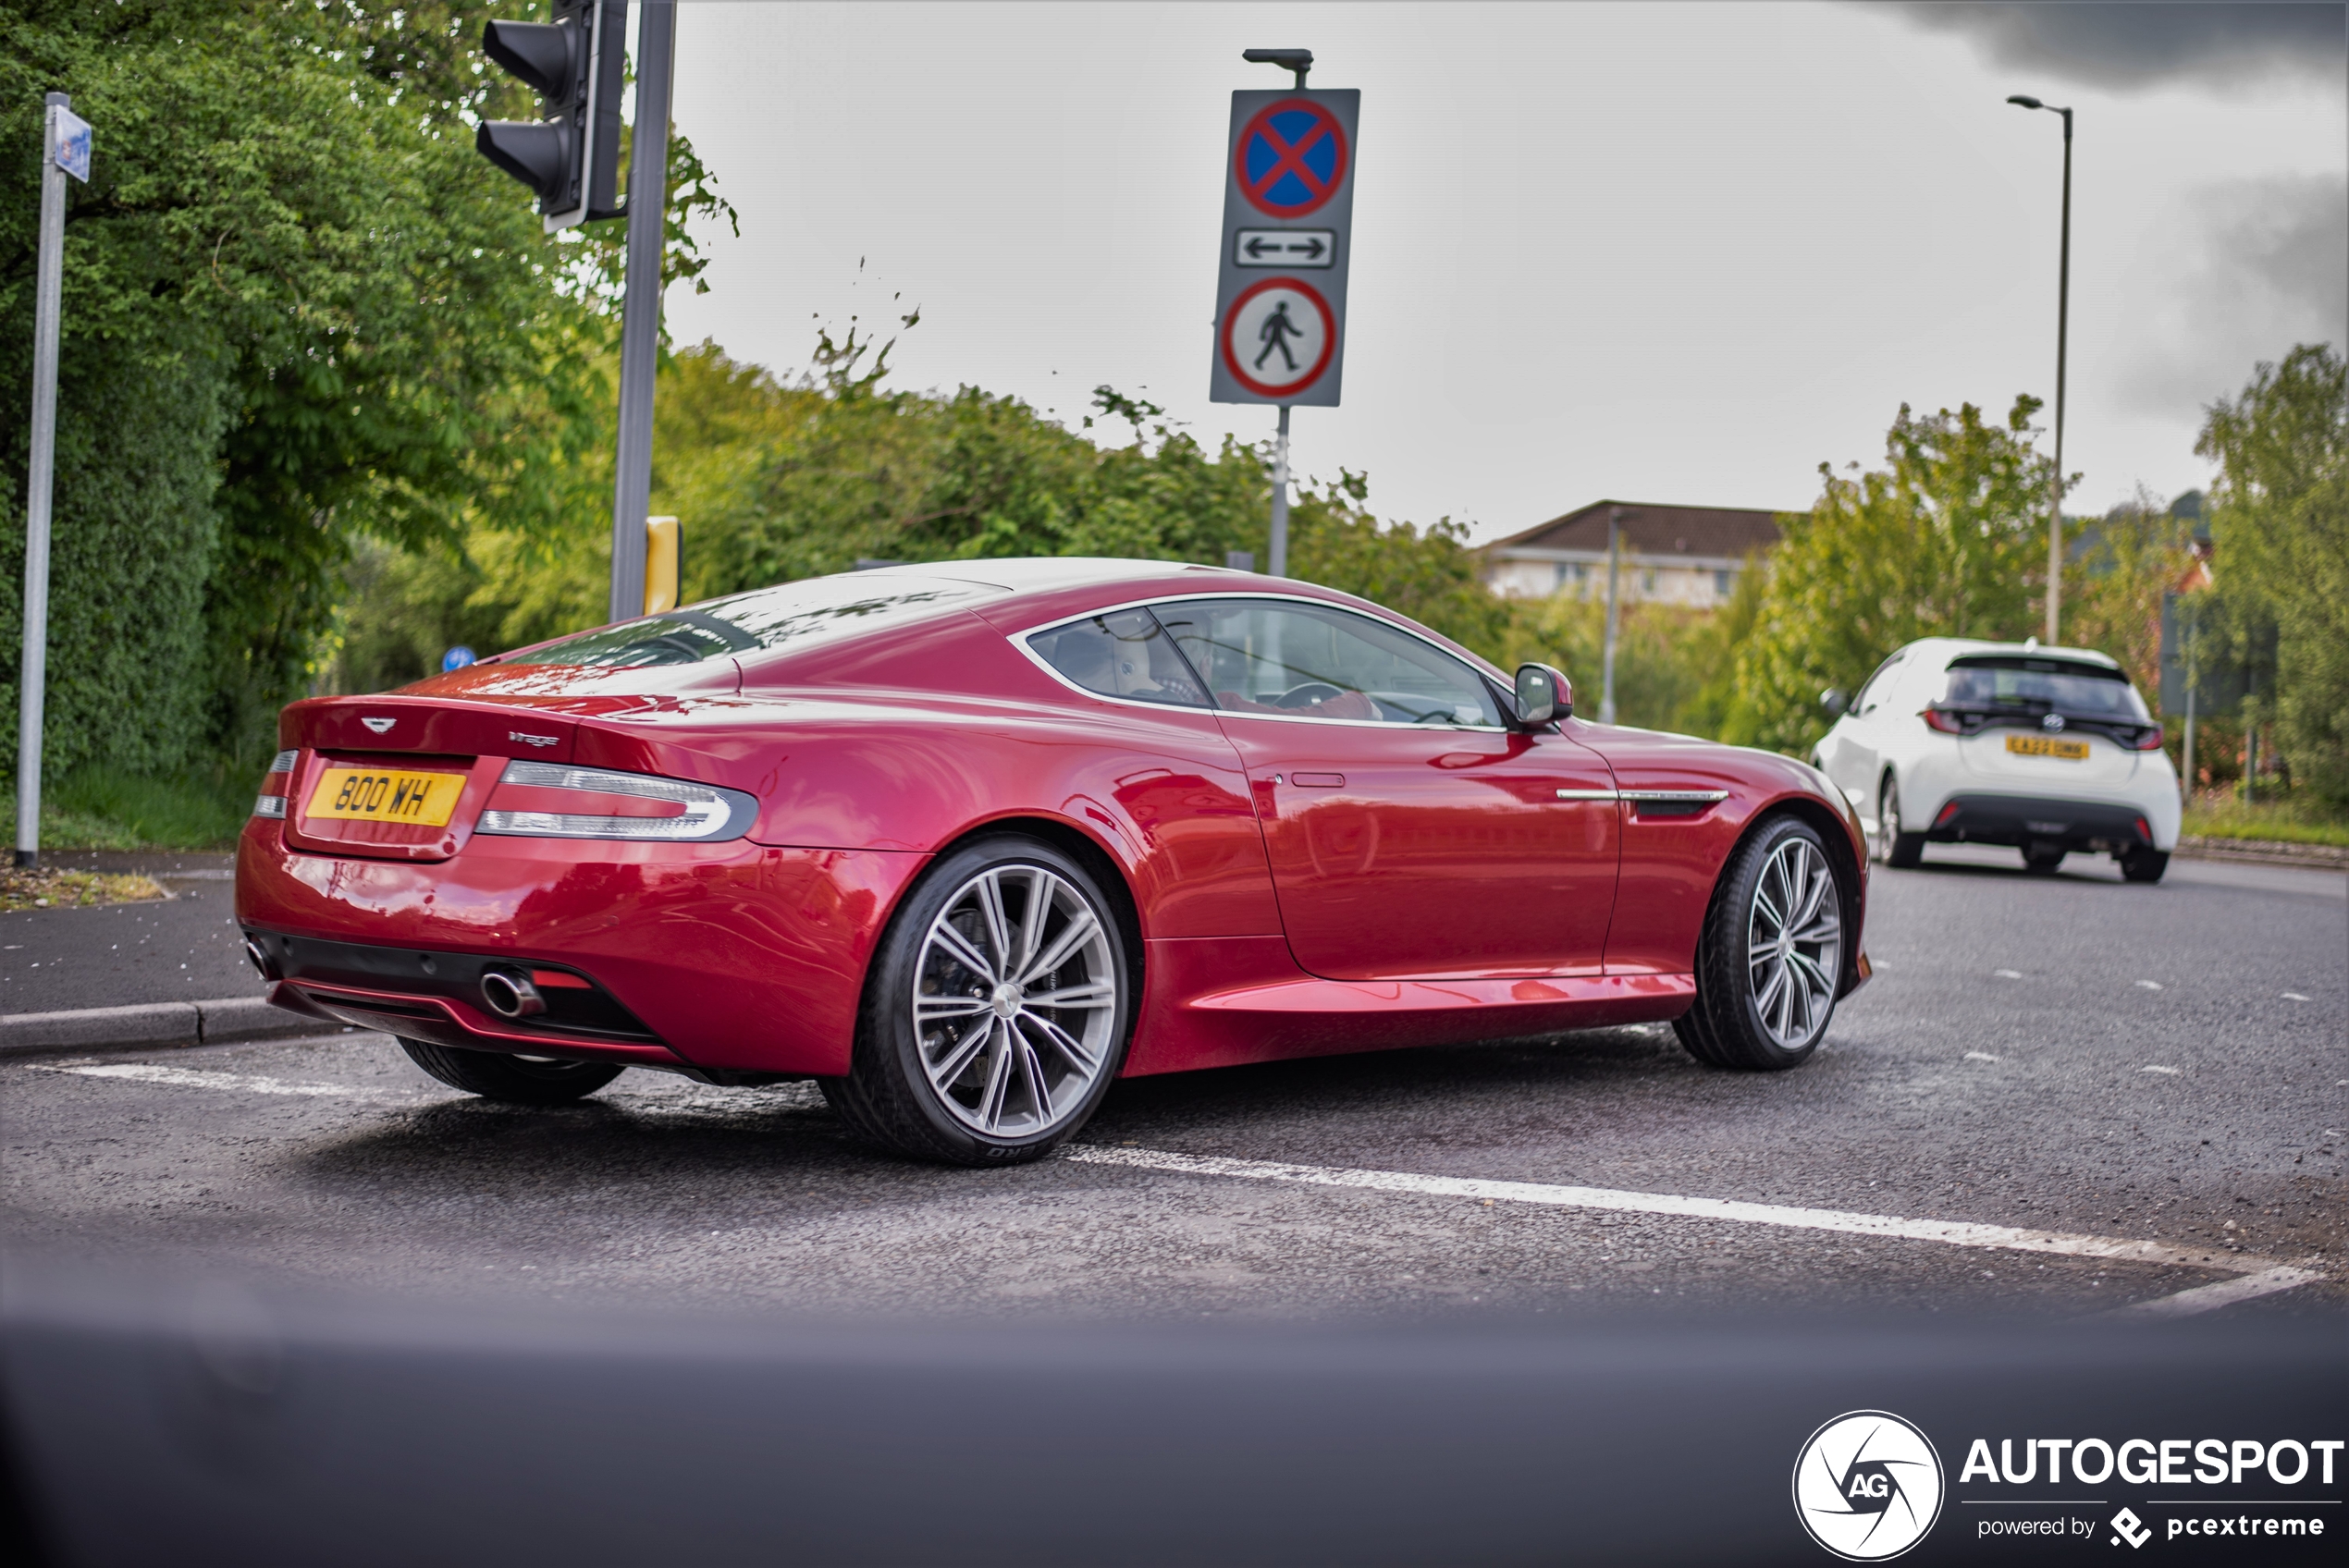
1542 693
1836 701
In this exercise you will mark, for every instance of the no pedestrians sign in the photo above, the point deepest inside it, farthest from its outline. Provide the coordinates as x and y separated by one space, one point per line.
1286 248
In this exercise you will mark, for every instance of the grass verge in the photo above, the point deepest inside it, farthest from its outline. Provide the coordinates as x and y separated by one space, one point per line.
201 809
2293 820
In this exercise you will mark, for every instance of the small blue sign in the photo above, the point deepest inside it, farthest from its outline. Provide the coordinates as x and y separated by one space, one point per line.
456 658
70 140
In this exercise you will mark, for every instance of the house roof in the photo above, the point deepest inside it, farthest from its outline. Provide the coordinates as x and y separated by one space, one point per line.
1652 529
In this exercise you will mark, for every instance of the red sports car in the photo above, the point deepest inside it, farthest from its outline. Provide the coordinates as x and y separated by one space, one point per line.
965 842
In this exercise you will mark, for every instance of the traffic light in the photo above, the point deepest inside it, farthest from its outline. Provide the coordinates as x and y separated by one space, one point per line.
571 157
664 558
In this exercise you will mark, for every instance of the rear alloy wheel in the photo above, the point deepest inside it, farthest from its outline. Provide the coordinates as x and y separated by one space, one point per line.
2143 863
997 1011
1771 956
1903 851
517 1079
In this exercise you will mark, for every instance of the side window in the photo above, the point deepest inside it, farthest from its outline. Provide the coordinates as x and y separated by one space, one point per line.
1879 685
1125 655
1311 661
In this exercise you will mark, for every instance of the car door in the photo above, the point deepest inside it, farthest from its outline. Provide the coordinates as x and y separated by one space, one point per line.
1410 834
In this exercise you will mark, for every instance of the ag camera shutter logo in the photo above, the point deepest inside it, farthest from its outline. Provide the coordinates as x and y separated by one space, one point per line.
1867 1486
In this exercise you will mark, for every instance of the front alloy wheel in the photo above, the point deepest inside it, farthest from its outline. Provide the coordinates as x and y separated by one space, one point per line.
1771 959
997 1011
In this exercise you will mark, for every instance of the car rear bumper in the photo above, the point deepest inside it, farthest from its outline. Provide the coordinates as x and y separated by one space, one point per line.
731 958
2017 820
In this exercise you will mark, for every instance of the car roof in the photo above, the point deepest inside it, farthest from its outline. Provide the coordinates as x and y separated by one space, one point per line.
1949 648
1032 574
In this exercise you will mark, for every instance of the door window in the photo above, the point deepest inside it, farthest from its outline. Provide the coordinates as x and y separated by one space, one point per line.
1293 660
1124 654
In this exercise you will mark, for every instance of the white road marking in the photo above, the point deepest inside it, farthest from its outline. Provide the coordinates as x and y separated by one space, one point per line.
2296 997
2148 985
1980 1056
189 1078
2225 1293
2169 1071
2008 973
1952 1232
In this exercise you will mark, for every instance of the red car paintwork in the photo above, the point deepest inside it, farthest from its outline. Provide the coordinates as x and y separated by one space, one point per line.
1293 888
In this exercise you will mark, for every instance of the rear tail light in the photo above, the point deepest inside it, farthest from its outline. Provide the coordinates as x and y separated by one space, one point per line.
2143 830
540 800
1949 813
2149 739
271 801
1948 723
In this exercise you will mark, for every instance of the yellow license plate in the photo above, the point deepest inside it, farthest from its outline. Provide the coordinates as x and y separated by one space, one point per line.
2048 746
387 794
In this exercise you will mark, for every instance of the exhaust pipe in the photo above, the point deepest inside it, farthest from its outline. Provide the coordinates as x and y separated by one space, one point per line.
259 960
511 996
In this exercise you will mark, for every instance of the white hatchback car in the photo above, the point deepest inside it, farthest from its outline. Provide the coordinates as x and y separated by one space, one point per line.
2049 750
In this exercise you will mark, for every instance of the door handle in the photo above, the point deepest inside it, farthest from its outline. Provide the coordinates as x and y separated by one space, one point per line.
1317 781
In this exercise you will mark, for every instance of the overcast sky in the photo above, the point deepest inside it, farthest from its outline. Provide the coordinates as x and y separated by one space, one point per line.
1659 252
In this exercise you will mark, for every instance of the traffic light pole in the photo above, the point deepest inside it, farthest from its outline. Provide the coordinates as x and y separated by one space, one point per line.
40 480
640 317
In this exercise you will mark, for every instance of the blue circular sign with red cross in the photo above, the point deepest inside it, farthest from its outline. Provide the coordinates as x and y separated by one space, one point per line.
1291 158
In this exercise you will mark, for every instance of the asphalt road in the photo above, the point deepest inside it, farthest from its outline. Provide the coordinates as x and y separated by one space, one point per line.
182 949
2069 1054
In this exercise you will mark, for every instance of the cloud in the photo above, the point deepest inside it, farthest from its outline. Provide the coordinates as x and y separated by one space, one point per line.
2273 271
2123 46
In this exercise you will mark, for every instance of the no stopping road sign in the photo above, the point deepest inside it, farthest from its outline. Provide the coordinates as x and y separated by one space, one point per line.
1286 248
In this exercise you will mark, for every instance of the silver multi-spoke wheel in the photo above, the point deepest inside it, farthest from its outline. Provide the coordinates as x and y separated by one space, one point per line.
1015 1002
1794 943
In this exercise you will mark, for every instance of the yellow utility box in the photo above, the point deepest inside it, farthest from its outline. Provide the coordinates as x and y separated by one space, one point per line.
662 547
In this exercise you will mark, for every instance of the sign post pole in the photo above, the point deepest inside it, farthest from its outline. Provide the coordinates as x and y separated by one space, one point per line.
1286 249
640 317
1279 562
64 148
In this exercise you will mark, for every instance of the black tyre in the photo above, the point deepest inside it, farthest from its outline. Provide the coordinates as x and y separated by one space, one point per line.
517 1079
1904 851
2041 862
2143 865
1770 959
996 1013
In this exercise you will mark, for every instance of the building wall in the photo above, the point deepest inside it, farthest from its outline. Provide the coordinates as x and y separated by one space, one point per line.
1701 584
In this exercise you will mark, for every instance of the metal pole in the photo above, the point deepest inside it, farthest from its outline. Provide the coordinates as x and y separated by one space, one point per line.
640 317
2063 327
40 480
1614 565
1280 498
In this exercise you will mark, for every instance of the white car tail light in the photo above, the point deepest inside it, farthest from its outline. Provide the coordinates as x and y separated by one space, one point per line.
541 800
271 801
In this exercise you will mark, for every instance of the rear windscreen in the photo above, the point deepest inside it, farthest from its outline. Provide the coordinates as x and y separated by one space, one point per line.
790 615
2029 685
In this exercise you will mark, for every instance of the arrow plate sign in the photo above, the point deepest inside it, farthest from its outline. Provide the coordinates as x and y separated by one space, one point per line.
1284 248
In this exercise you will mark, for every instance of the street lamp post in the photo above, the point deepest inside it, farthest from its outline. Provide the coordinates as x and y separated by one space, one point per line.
2063 315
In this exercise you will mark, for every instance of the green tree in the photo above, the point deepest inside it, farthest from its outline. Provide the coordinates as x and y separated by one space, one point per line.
300 313
1943 541
781 480
2281 524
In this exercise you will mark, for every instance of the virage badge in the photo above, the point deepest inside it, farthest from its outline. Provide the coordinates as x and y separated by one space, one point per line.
1867 1486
